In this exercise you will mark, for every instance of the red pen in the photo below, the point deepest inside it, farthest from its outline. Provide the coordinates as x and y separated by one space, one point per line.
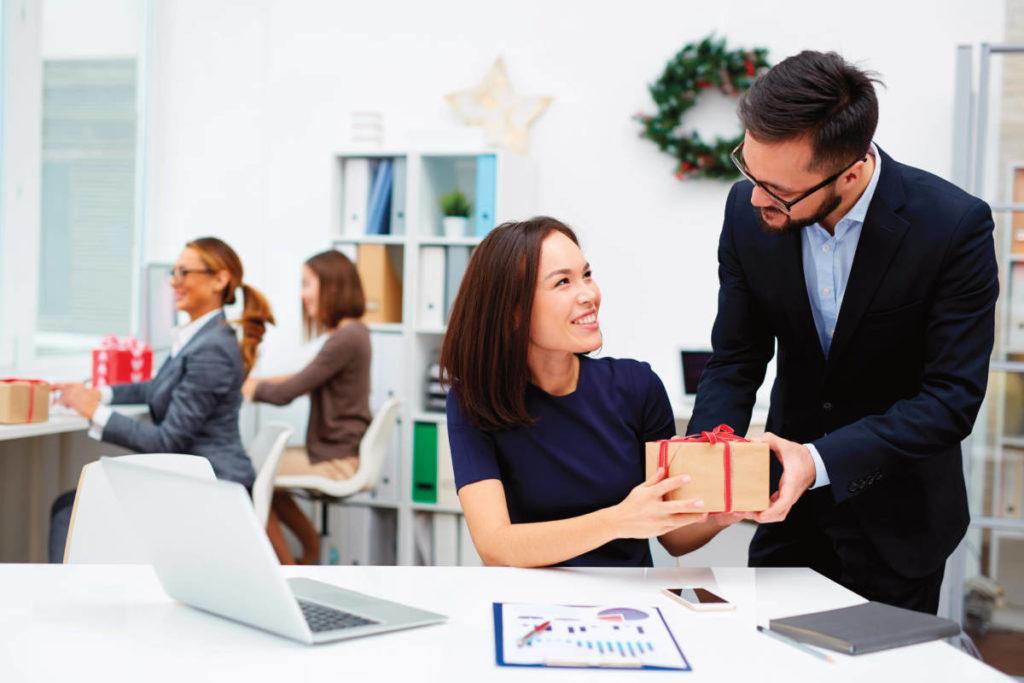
537 629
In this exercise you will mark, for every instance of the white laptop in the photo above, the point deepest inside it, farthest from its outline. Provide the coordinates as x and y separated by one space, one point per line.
210 552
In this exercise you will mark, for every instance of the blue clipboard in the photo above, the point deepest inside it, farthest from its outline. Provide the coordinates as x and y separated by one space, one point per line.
499 650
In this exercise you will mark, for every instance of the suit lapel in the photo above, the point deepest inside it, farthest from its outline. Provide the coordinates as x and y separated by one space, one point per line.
165 373
789 257
173 361
881 235
209 325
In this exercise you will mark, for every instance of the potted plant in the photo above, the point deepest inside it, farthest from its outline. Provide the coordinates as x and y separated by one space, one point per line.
456 214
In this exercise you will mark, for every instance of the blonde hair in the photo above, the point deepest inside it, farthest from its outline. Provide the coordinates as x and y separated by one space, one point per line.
256 313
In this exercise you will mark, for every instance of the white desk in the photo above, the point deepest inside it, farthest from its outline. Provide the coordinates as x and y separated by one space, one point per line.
61 421
114 623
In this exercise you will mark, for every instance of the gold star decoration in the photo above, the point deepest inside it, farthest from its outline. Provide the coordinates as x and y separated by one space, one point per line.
492 105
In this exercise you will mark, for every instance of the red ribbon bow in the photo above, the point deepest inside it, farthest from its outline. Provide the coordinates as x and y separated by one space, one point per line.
114 343
31 392
722 434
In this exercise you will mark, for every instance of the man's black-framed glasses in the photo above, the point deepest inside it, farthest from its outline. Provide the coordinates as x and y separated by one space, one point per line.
780 203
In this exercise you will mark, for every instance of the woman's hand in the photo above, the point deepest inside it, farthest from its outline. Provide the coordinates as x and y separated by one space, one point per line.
79 398
249 388
643 513
724 519
687 539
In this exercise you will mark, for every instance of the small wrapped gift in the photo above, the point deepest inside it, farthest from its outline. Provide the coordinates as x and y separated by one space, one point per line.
727 472
24 400
121 361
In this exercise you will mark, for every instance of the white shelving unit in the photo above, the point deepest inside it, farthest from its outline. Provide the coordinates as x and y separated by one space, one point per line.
998 430
404 350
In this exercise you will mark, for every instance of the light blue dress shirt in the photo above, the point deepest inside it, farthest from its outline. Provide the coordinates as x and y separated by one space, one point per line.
827 261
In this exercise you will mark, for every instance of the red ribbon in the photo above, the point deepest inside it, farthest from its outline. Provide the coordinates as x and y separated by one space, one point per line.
31 392
114 343
722 434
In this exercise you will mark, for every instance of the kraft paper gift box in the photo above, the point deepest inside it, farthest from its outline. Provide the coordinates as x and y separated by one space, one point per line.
729 473
23 401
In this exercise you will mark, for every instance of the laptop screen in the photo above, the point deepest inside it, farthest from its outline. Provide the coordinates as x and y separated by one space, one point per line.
693 368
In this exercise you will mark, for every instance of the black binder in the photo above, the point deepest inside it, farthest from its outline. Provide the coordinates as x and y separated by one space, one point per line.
868 627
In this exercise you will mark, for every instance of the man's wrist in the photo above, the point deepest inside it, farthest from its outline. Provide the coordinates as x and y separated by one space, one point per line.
820 473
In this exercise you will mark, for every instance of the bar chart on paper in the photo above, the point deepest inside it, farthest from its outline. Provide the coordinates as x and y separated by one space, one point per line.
585 636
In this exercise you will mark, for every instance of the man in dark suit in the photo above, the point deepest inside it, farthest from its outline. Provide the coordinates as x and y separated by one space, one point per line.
878 283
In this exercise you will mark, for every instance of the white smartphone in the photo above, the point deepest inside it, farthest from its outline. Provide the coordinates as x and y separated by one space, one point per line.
699 599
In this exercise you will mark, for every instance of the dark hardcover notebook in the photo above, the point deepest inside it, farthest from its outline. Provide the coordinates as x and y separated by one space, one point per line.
869 627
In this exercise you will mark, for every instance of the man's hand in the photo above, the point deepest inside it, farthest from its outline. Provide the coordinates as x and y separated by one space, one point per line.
798 474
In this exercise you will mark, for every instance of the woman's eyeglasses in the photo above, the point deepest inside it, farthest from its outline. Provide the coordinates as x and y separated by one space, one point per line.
180 272
780 203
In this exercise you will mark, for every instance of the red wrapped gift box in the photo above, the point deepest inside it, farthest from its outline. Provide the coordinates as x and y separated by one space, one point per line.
121 361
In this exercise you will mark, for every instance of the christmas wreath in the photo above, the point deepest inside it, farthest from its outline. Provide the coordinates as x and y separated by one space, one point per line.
694 69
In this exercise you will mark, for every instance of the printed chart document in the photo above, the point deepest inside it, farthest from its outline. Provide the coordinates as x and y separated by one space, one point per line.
585 636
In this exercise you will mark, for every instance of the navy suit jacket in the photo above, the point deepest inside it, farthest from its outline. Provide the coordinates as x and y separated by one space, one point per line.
194 402
907 370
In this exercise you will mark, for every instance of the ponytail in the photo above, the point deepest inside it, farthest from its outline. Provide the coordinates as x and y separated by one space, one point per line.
256 314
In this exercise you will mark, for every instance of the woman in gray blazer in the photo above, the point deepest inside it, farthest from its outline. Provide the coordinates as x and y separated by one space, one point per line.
195 397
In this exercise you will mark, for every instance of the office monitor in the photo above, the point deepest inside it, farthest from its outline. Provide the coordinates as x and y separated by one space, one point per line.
693 367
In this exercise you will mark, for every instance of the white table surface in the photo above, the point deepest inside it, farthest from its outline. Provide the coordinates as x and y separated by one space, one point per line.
114 623
62 420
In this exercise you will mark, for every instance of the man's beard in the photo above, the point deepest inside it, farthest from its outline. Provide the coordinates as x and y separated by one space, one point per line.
827 207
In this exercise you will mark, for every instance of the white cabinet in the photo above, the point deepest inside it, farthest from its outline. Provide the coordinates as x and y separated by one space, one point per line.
428 265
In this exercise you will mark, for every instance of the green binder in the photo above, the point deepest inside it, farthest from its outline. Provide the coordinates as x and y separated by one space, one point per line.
424 462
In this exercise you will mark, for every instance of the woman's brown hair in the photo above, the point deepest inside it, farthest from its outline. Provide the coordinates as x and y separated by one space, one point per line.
256 313
341 292
483 358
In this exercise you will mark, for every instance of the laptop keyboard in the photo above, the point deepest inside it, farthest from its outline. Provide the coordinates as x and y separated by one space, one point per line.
322 618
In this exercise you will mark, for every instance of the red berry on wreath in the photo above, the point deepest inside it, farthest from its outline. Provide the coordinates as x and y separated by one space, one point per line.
699 66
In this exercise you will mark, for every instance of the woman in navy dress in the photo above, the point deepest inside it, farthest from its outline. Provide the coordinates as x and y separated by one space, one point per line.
547 443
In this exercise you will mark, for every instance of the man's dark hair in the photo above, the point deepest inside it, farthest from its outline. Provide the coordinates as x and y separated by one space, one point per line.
819 95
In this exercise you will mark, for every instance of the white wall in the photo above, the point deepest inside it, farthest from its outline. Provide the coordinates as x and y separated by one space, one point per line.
20 182
72 29
250 98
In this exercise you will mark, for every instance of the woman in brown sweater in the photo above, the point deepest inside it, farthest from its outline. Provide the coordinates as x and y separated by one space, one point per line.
338 383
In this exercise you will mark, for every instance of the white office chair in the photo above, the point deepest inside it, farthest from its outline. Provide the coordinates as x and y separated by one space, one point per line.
265 452
98 533
372 450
